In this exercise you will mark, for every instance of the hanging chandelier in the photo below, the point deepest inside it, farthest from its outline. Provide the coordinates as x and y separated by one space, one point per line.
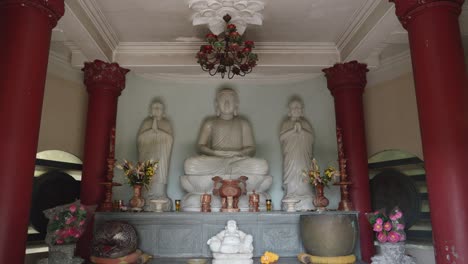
227 54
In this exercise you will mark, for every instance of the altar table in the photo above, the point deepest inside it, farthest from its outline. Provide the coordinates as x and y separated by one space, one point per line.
290 260
184 234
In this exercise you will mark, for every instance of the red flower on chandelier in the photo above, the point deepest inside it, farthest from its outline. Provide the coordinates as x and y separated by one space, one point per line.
227 54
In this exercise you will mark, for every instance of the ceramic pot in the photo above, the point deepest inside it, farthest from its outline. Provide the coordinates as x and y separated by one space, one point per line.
392 253
137 202
329 235
63 254
320 201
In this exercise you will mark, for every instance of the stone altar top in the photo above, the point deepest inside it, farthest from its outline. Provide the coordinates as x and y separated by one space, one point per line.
184 234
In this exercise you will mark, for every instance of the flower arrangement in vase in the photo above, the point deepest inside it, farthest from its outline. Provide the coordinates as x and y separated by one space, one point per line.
320 181
66 224
388 228
390 232
138 175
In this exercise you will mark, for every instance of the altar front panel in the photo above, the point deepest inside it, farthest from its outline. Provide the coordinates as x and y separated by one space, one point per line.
184 234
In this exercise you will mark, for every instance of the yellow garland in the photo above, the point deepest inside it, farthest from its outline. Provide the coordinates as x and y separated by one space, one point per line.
306 258
269 258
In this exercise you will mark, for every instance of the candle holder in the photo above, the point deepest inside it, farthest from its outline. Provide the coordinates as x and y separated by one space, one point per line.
268 205
345 203
177 205
205 200
107 205
254 200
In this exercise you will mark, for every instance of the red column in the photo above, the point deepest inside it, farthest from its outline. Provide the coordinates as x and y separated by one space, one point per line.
104 82
442 97
346 82
25 28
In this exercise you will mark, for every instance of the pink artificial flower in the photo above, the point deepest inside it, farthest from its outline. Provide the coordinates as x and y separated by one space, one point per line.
66 233
382 237
82 222
387 226
59 241
400 226
74 232
398 214
393 217
72 208
394 237
70 220
378 227
402 237
379 221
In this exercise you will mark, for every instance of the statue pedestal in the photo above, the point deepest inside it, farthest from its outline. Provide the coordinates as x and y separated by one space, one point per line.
196 185
239 258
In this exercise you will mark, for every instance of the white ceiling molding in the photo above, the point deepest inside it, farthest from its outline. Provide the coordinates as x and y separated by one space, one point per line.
76 32
360 18
77 57
398 37
59 65
174 56
390 69
257 78
100 22
79 28
373 39
58 35
211 12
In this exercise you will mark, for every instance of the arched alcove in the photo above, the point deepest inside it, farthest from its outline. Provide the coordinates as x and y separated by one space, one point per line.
57 179
398 178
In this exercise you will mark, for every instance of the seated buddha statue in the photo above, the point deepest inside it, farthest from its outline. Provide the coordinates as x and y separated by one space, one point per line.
227 147
226 142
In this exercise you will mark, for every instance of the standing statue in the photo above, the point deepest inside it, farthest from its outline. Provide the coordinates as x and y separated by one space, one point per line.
155 143
296 139
227 146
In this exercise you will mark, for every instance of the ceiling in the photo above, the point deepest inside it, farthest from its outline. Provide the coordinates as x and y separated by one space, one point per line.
157 38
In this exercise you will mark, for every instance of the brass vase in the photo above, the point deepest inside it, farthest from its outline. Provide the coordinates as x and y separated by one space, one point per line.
137 202
320 201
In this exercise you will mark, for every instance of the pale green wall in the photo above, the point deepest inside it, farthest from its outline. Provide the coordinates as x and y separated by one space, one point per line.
264 103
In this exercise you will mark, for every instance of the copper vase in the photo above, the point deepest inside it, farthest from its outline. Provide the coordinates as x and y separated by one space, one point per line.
320 201
137 202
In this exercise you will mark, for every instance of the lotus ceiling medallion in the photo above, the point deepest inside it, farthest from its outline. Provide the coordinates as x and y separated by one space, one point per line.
225 52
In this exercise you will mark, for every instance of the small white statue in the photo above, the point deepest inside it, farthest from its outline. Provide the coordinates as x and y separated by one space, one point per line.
231 246
296 139
155 143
